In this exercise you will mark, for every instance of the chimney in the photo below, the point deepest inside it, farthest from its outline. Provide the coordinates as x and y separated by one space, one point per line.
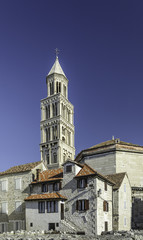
38 174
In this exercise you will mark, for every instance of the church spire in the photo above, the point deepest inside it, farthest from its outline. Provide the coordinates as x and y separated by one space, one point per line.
56 68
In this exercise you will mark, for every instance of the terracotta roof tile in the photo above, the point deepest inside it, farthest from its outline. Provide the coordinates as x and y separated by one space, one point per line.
20 168
50 175
117 179
86 170
52 195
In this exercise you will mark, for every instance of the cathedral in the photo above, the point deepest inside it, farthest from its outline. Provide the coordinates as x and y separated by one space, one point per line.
99 190
57 115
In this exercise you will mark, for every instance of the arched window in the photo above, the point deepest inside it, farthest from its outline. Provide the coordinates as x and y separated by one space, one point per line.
55 157
56 132
53 106
59 87
53 133
65 91
56 109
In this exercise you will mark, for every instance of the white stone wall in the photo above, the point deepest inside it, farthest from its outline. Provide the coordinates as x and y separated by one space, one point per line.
125 204
103 216
132 163
104 163
12 195
40 221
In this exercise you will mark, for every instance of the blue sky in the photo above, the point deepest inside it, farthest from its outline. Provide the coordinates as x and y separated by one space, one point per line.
101 53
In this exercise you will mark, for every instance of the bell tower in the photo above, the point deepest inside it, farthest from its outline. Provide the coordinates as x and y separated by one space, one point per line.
57 127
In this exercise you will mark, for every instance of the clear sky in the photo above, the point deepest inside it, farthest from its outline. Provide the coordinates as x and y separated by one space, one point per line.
101 53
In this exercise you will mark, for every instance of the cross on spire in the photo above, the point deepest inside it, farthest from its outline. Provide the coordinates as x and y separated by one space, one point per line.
57 52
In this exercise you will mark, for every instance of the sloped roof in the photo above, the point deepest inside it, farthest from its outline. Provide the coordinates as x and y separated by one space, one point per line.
85 171
53 195
111 145
50 175
56 68
117 179
21 168
88 171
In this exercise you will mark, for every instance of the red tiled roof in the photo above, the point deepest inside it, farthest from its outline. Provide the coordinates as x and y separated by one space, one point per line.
21 168
50 175
53 195
86 170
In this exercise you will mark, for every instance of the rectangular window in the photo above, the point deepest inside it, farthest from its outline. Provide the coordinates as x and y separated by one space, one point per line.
82 205
105 186
105 206
125 223
106 226
124 204
51 226
124 187
18 183
4 208
82 183
4 184
69 168
52 206
18 206
44 187
41 207
56 187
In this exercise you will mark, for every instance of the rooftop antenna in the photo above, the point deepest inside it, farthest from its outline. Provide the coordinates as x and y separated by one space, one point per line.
57 52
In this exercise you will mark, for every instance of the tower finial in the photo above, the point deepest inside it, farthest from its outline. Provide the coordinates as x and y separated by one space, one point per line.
57 52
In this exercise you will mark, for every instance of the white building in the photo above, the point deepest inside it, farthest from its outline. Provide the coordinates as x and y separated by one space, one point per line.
14 188
76 198
122 201
57 127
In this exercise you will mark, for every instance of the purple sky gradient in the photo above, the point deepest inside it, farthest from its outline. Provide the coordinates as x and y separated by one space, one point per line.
101 53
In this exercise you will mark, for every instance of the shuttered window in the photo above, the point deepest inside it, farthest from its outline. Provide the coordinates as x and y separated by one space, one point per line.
52 206
4 208
18 183
82 205
82 183
41 207
105 206
4 185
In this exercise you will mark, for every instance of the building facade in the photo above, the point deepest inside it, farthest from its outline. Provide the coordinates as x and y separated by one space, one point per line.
57 116
14 188
74 199
122 202
115 156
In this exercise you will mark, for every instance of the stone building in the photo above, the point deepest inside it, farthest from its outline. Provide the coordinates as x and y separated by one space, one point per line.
76 198
122 201
115 156
57 127
14 188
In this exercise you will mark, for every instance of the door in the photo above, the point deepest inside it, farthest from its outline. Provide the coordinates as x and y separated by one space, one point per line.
62 211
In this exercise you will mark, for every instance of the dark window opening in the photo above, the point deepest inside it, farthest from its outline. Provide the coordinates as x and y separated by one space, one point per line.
82 205
51 226
82 183
105 186
106 226
52 206
31 224
69 168
41 207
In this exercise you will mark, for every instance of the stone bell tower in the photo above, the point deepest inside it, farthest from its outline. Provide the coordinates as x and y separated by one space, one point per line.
57 127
